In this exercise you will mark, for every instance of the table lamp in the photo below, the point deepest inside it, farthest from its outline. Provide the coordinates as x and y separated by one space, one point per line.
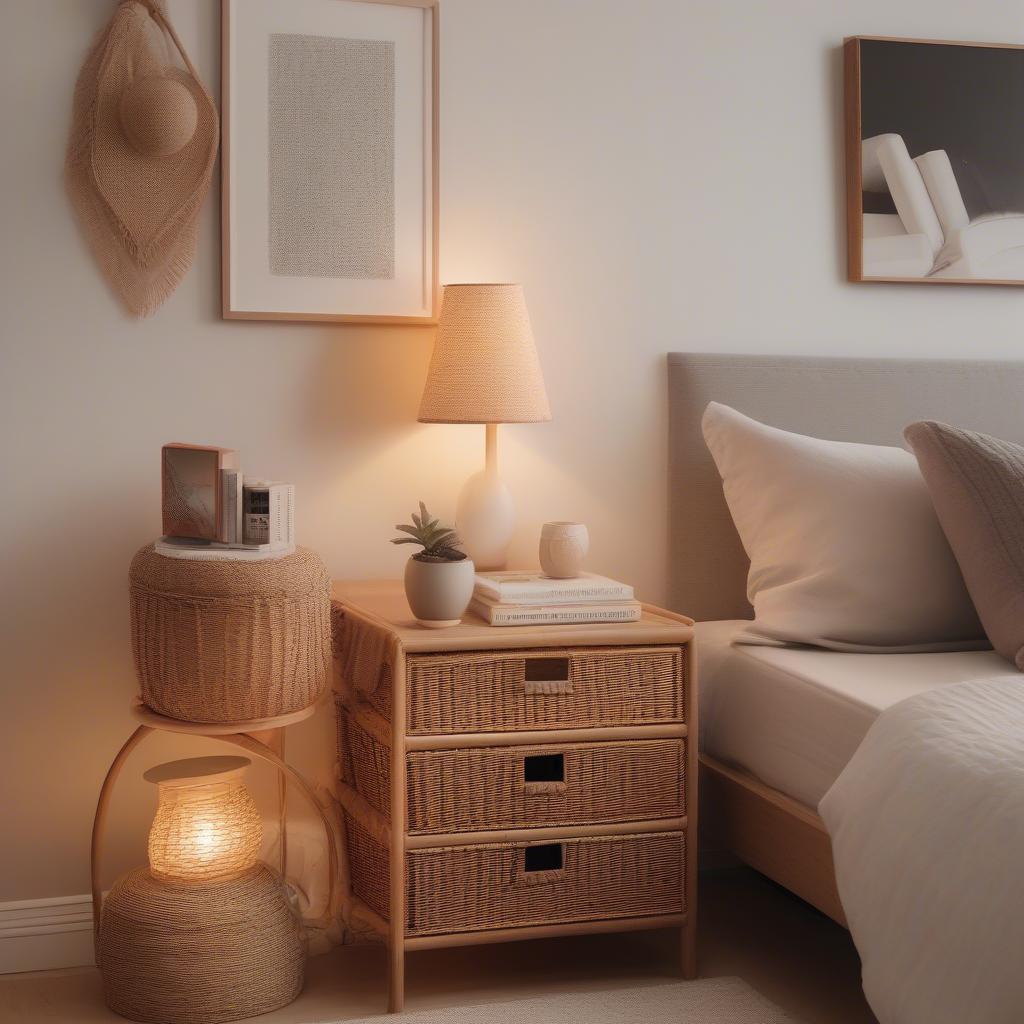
485 370
207 826
206 933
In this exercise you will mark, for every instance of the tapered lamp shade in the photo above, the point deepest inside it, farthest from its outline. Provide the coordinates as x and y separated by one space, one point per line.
485 367
207 827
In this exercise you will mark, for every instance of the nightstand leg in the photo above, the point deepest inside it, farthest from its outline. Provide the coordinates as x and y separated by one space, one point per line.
396 989
398 827
691 844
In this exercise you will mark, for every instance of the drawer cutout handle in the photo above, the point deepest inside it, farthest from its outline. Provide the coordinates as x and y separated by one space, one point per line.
544 857
544 774
544 862
546 677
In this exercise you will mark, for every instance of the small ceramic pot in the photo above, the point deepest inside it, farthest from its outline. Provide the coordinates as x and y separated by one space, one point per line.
563 546
439 592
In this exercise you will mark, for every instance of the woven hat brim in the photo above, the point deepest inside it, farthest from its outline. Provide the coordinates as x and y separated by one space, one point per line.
137 213
147 194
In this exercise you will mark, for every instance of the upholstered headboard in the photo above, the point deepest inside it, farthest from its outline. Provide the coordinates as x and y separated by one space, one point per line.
869 400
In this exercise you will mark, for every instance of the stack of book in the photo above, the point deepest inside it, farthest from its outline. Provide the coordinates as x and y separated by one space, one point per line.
530 599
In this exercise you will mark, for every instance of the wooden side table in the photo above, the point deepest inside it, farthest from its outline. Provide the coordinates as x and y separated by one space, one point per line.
519 782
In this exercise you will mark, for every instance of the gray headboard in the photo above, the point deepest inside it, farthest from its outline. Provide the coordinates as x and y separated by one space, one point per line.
869 400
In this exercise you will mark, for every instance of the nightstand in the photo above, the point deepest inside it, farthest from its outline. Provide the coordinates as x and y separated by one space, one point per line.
506 783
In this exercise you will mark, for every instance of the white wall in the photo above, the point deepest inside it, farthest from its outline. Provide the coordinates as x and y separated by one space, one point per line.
659 174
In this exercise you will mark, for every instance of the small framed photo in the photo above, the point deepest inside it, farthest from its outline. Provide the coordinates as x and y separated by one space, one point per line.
329 160
192 492
934 161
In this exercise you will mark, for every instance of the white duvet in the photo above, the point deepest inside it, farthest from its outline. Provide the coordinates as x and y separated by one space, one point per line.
927 825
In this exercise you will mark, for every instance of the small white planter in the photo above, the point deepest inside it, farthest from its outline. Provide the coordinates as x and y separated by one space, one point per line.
439 592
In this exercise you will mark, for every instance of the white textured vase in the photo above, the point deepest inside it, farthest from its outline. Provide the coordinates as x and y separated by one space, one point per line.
439 592
485 518
563 547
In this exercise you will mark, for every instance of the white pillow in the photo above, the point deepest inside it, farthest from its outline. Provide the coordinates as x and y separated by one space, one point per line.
845 549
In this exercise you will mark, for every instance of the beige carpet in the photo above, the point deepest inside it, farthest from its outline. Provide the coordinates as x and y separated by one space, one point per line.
713 1001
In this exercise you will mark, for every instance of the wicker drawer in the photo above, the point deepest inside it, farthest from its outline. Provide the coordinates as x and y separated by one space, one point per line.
513 885
480 788
551 785
502 691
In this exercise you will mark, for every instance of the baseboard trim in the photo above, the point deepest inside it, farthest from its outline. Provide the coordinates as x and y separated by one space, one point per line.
43 935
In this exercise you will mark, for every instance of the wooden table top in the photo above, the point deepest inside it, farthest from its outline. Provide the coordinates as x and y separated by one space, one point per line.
384 601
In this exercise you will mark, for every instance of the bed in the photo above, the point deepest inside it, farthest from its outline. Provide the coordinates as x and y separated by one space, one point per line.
779 725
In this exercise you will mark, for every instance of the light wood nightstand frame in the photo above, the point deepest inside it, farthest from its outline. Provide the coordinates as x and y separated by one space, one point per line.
383 604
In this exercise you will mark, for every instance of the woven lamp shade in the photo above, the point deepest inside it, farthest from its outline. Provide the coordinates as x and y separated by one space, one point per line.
484 368
207 827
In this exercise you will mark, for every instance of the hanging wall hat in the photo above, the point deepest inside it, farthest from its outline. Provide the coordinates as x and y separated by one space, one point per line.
144 137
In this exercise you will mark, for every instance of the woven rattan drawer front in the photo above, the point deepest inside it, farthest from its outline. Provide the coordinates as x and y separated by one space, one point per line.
472 888
550 785
544 689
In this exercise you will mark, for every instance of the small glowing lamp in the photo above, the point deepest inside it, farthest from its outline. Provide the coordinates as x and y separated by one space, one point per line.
207 827
205 934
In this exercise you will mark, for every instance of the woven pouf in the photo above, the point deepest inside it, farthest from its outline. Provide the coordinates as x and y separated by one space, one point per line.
183 953
230 641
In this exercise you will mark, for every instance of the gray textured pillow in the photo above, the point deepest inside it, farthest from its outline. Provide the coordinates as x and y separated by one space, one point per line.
977 487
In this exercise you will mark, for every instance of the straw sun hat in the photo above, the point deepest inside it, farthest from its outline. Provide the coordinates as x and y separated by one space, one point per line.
143 141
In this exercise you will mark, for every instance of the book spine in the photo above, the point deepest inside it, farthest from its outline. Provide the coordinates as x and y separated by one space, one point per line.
238 526
512 594
552 616
231 517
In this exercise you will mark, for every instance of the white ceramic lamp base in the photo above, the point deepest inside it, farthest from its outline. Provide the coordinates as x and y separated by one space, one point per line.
485 519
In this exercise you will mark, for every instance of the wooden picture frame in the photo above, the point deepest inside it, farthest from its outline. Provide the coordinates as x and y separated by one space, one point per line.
253 288
944 207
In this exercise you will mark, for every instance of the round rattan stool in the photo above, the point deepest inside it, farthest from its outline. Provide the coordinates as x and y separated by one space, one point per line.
181 953
227 641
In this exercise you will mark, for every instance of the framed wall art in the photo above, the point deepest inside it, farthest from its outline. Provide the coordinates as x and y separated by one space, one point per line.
934 161
329 160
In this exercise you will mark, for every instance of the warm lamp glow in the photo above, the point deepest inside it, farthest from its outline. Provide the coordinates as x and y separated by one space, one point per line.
207 827
484 368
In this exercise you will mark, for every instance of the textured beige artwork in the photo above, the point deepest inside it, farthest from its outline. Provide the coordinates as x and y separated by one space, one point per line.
331 157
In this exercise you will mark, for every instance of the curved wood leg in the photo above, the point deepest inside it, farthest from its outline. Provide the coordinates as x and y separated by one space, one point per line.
261 750
100 817
243 740
274 739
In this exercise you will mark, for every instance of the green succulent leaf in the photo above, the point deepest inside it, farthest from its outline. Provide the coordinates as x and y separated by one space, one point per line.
439 538
437 541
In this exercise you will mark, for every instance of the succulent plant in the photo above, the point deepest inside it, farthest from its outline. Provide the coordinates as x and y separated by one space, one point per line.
439 543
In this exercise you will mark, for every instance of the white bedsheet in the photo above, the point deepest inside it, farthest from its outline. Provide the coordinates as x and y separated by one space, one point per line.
927 825
795 716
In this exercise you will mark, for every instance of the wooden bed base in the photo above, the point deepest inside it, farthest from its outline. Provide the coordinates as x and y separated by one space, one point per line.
771 832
